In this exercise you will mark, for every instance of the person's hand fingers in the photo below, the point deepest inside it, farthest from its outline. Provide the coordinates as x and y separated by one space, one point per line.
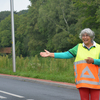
89 60
45 54
46 51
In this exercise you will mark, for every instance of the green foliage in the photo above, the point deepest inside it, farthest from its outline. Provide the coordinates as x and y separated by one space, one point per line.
60 41
4 14
98 15
5 32
22 37
88 9
22 12
50 24
6 38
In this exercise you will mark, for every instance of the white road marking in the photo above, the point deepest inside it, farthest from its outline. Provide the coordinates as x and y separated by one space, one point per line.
1 97
30 99
11 94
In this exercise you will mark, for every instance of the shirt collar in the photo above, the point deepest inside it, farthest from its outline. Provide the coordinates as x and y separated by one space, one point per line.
94 44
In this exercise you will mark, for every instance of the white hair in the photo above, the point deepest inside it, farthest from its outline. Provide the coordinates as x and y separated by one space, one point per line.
88 31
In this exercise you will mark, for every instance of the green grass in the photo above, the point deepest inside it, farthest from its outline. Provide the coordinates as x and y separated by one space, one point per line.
42 68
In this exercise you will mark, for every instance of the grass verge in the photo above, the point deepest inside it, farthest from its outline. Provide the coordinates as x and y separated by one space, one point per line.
42 68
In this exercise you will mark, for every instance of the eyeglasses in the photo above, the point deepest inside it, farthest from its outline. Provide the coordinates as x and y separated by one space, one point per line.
85 35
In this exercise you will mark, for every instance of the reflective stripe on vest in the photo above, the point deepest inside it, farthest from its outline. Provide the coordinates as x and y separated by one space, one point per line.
87 75
99 74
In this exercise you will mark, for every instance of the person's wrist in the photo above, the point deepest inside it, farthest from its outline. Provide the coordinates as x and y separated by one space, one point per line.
49 54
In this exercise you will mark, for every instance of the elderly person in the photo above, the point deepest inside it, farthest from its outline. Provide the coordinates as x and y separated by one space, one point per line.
86 65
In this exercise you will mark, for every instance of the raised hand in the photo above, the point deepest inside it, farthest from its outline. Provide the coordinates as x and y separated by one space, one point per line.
45 54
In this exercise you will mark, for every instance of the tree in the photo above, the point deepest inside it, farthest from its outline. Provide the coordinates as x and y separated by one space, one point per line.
4 14
87 9
22 37
35 44
6 38
5 32
56 17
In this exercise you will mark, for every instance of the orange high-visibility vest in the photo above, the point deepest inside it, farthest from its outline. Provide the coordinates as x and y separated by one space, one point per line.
87 75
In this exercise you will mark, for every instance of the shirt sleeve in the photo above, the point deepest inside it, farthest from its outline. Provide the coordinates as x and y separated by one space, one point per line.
68 54
63 55
97 62
74 50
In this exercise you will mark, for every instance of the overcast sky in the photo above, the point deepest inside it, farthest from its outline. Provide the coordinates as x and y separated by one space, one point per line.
18 5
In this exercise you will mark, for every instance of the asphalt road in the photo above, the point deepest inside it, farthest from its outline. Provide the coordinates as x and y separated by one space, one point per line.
19 89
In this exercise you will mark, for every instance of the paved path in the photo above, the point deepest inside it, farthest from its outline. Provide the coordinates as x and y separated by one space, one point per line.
23 88
61 84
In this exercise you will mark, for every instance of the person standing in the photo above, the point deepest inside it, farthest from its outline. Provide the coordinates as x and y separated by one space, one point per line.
86 64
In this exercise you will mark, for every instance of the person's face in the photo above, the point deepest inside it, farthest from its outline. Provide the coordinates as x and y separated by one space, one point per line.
86 39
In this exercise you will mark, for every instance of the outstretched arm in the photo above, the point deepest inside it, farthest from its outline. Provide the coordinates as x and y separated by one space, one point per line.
47 54
60 55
